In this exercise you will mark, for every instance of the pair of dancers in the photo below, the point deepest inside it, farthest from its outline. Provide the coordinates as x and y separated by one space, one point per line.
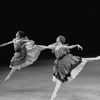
66 66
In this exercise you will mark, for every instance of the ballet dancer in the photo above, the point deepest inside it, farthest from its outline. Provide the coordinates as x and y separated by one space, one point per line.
66 66
25 52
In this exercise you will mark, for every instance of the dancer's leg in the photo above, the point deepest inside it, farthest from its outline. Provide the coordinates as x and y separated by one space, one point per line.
92 59
54 94
9 75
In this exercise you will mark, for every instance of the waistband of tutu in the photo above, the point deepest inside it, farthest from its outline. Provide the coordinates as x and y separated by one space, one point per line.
61 57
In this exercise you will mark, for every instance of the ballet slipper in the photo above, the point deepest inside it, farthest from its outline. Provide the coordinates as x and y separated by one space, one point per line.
54 95
98 58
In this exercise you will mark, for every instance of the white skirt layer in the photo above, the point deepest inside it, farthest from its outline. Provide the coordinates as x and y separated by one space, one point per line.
31 56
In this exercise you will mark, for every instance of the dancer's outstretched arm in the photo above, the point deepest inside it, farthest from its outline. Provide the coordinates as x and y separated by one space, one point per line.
51 46
42 47
73 46
4 44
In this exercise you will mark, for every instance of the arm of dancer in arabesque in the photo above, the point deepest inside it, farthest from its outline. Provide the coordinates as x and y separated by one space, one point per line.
73 46
5 44
51 46
42 47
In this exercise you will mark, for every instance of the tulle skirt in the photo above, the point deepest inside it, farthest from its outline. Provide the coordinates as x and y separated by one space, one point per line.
68 67
25 59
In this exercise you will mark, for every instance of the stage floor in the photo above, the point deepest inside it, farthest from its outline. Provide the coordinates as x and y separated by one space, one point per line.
35 83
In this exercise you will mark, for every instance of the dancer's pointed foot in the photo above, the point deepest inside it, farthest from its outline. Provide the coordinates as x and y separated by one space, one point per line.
53 96
6 78
98 58
10 74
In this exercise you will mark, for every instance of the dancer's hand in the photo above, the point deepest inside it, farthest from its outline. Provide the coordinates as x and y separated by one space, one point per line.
79 47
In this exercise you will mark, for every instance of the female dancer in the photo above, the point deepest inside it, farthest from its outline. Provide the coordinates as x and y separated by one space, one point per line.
66 66
25 52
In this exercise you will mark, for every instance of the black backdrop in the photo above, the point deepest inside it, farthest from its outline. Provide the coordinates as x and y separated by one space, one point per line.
43 23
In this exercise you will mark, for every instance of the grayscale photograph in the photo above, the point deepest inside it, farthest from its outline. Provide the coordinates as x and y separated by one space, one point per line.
50 52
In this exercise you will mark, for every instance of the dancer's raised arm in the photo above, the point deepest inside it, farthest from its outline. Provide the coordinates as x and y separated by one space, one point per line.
73 46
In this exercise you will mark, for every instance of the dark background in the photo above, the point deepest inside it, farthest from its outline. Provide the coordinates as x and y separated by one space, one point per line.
43 22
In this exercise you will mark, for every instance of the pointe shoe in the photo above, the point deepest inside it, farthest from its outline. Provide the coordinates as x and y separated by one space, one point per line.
6 79
98 58
53 96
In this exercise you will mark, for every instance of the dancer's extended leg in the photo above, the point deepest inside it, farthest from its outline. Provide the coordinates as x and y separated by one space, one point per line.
92 59
9 75
13 69
54 94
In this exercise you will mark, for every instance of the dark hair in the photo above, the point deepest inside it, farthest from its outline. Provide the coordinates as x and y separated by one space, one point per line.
62 39
21 34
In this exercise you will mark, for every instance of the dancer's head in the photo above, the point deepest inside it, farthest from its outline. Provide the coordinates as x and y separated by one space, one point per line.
20 34
61 39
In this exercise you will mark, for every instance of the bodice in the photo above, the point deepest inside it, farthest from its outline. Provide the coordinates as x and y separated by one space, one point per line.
60 52
18 45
